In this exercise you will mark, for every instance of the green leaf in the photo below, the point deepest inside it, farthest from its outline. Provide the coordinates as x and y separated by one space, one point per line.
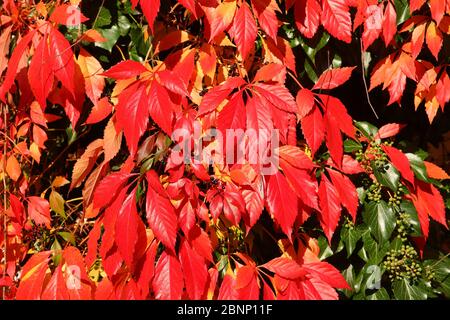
352 145
402 9
69 237
57 203
413 219
371 250
380 218
103 19
388 178
325 250
403 290
310 71
367 129
350 237
418 167
381 294
124 25
111 35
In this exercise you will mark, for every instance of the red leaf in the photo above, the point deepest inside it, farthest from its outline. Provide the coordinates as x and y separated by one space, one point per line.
91 69
69 15
33 277
129 231
400 162
102 108
346 191
150 9
435 172
39 211
267 18
40 73
333 138
389 23
232 115
295 157
219 18
271 72
336 19
428 201
194 270
307 16
247 283
173 82
327 273
330 207
372 25
333 78
305 102
168 281
125 70
13 64
244 30
159 107
63 60
313 128
132 114
78 282
161 215
217 94
389 130
302 183
86 162
282 202
336 112
56 288
200 242
277 95
227 289
285 267
437 8
434 39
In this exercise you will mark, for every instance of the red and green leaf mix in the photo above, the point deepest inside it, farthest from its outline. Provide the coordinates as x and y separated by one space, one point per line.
96 203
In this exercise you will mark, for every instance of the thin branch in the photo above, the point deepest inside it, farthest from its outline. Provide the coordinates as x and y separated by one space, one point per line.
365 83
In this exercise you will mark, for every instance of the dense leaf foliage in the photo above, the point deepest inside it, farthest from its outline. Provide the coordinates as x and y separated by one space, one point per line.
299 201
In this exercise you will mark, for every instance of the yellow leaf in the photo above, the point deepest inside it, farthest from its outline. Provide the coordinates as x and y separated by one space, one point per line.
13 168
59 181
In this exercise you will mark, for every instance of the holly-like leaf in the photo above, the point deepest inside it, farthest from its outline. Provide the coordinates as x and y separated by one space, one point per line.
380 218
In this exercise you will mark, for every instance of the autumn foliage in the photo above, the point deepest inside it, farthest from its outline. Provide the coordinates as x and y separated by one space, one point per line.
96 97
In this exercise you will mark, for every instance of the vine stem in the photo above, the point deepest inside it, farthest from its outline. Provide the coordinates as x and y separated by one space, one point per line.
365 82
5 225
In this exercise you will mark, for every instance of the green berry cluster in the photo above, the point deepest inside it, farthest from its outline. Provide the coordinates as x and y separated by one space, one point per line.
429 273
396 199
374 192
375 153
403 264
403 225
348 223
